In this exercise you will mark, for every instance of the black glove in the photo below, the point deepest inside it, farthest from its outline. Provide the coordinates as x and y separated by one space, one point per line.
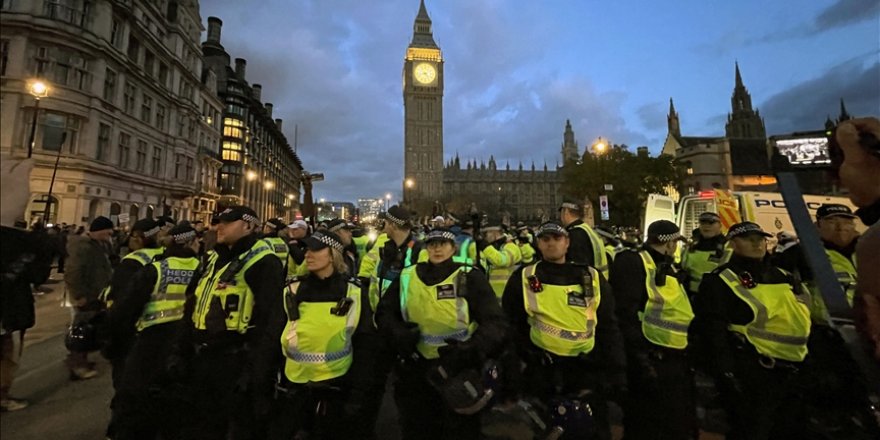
482 244
405 337
456 356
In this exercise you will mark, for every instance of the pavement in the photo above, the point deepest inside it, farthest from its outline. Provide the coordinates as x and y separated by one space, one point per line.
66 410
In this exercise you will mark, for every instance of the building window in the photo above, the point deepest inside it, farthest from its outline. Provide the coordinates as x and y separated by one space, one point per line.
63 66
52 129
103 142
178 166
128 97
5 5
163 75
232 131
160 117
146 108
141 157
232 151
157 162
109 85
124 150
149 62
4 56
134 47
75 12
690 171
190 172
115 32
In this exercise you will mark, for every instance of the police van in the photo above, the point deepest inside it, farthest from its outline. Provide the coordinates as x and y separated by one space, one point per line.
764 208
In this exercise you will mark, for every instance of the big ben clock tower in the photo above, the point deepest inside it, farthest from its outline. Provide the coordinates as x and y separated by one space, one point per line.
423 115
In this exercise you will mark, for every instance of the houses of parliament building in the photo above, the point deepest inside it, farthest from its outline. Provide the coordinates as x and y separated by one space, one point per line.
519 193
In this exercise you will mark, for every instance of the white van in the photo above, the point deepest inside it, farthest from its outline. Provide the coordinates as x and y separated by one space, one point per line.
764 208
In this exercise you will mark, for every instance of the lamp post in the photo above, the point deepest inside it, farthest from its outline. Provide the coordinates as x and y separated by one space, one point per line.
600 148
408 185
387 201
38 89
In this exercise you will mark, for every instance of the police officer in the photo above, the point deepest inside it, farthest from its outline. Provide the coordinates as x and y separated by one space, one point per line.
400 251
707 252
467 245
562 317
149 314
756 322
524 241
326 335
272 232
343 229
296 233
228 307
499 269
587 248
610 240
438 313
654 314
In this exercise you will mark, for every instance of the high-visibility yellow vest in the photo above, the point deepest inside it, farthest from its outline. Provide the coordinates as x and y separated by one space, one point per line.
462 253
600 260
610 252
562 318
371 260
667 312
698 263
360 243
528 253
845 271
378 286
438 310
143 256
781 325
279 248
316 341
499 273
210 286
169 292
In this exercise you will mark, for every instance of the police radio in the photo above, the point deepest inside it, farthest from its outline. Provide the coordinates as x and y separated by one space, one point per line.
587 284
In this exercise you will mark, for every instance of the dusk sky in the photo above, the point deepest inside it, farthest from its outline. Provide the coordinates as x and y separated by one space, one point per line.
515 70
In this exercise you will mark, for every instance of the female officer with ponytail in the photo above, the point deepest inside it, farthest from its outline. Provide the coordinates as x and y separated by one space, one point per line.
326 336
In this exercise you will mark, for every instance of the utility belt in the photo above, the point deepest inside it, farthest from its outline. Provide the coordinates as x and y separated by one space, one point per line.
743 347
319 391
230 343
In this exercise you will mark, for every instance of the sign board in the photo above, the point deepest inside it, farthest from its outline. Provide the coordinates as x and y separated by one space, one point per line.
800 152
123 218
609 187
603 207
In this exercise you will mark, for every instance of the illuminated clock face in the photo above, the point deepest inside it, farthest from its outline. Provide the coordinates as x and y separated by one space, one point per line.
424 73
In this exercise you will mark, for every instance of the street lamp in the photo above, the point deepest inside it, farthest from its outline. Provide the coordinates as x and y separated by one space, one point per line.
38 89
251 175
600 146
387 201
268 184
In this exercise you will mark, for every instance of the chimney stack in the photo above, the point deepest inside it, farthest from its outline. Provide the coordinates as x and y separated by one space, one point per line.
257 91
269 109
278 124
214 27
240 68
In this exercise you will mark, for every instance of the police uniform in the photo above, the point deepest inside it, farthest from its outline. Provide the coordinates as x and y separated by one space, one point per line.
276 243
149 314
228 306
654 314
349 251
586 248
328 341
704 255
525 242
428 306
756 323
567 334
499 267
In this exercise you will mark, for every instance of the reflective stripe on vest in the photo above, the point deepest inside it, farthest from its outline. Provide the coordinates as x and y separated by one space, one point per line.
667 312
438 310
600 260
462 254
845 272
209 287
498 275
143 256
318 343
169 292
781 325
562 319
279 247
698 263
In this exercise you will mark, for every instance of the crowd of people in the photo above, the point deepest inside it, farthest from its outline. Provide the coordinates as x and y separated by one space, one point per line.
250 328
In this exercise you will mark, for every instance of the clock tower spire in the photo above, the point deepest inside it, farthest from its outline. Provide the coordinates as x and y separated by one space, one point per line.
423 115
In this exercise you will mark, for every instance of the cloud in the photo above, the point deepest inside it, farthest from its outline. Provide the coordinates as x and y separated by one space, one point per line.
332 68
840 14
805 106
653 116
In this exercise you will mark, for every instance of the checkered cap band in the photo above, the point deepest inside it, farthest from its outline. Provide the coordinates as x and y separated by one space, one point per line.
329 241
395 220
568 205
552 228
665 238
250 219
745 228
440 235
336 227
151 232
184 237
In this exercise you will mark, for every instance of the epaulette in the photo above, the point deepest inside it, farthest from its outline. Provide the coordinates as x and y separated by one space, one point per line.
356 281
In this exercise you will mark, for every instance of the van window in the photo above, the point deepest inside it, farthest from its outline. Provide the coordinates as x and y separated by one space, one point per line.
664 204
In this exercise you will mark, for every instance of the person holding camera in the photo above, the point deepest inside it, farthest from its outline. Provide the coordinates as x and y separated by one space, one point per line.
443 319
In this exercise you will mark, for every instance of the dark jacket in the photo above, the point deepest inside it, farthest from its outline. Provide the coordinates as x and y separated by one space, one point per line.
123 275
20 268
580 249
87 270
607 358
718 307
